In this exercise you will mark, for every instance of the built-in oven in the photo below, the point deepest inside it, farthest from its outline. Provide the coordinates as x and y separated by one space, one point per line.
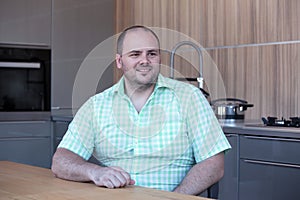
25 75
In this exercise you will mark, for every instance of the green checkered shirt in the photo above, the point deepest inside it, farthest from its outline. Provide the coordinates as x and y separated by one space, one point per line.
175 129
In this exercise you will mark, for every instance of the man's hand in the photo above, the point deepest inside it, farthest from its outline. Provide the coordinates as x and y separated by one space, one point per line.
111 177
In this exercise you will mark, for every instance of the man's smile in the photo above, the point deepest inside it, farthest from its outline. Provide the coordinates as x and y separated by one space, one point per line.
144 69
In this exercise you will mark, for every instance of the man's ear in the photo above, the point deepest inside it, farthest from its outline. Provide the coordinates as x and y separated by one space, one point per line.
119 61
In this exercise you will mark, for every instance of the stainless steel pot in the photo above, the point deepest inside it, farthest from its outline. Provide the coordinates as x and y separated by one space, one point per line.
230 108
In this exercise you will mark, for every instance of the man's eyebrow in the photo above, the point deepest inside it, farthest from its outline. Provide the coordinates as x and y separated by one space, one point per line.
134 51
151 50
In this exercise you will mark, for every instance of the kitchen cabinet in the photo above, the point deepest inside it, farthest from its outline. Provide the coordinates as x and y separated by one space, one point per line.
228 186
269 168
27 142
26 22
77 28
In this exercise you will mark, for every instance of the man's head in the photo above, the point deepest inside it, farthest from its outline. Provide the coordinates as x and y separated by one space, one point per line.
132 28
138 56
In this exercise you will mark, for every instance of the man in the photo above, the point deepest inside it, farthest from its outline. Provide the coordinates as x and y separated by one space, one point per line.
146 130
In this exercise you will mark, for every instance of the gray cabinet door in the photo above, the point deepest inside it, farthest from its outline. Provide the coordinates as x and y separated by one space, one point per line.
25 22
77 28
27 142
262 180
30 150
273 149
228 186
17 129
269 168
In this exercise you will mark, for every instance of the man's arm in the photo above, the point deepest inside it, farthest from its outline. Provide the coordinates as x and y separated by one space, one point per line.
68 165
202 175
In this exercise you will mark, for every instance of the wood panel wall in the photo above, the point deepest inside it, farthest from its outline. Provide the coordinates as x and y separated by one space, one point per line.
235 22
254 43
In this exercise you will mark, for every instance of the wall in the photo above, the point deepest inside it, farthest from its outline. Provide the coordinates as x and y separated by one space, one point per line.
254 43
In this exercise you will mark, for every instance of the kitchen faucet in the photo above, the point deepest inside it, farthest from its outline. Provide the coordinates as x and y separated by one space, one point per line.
198 79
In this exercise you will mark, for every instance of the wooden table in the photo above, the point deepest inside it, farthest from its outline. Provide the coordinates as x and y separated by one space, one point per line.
19 181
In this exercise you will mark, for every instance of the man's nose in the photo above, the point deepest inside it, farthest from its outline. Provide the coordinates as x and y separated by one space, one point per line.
144 59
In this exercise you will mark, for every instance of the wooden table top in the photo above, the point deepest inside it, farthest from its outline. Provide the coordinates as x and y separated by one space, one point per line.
19 181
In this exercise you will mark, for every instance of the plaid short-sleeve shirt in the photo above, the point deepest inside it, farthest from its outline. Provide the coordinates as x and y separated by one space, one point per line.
175 129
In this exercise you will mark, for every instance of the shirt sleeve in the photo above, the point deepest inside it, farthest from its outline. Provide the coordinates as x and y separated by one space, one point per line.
79 137
204 130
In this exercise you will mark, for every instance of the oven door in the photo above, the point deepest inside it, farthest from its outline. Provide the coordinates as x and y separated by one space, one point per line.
23 86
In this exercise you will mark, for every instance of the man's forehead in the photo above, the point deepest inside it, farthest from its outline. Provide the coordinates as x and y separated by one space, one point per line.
137 40
141 49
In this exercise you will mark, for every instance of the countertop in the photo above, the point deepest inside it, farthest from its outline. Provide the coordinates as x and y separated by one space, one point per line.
62 115
257 128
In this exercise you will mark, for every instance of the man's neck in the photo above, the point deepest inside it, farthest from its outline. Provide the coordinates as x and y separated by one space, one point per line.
139 95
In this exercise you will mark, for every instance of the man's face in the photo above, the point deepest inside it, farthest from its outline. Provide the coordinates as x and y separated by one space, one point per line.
140 59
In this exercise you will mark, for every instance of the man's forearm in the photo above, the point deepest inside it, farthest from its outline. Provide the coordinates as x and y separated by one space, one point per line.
202 175
71 167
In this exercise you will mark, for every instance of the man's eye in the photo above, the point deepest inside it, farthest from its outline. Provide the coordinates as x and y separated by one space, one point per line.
152 54
134 55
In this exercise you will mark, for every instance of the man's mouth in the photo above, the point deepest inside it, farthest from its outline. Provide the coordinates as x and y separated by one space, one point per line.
146 69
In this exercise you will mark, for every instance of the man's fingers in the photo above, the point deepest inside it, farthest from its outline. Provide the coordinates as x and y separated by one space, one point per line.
108 184
132 182
116 182
114 177
123 176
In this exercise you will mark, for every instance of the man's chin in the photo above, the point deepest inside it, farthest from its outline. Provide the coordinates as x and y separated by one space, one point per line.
146 81
146 78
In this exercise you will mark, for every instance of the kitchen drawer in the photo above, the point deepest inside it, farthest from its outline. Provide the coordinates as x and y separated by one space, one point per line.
274 149
27 150
263 180
25 129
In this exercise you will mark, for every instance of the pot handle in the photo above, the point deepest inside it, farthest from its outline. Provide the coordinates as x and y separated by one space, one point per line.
229 99
245 106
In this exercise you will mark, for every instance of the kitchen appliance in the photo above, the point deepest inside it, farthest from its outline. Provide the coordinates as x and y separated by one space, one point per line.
230 108
24 79
274 121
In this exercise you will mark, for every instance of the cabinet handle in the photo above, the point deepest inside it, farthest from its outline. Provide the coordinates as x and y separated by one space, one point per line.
60 108
271 163
230 135
24 138
272 138
24 122
22 44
